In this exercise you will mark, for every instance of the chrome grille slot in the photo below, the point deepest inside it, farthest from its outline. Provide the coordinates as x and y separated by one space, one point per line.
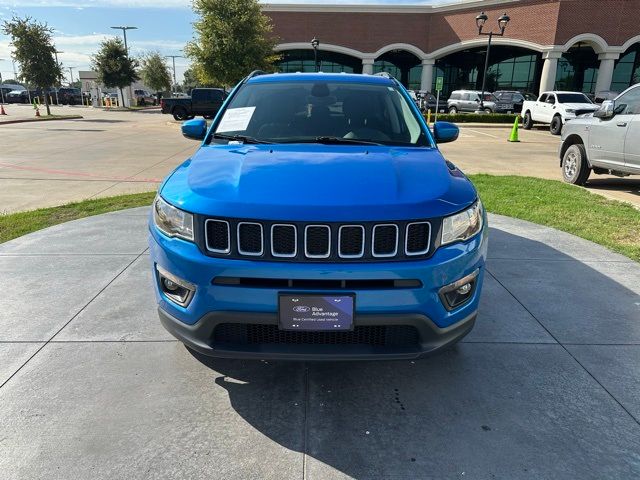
385 240
284 240
250 239
317 241
417 238
218 238
351 241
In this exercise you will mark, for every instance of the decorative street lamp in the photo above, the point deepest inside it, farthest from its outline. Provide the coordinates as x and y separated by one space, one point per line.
502 24
315 43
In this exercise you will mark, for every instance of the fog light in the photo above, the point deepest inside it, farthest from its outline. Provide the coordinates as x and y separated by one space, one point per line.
177 290
458 293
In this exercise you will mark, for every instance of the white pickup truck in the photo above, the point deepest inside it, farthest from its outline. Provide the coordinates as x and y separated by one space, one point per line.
555 108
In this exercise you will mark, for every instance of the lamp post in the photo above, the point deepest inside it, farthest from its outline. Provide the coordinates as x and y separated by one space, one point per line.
56 52
124 29
71 72
315 43
173 57
481 19
124 34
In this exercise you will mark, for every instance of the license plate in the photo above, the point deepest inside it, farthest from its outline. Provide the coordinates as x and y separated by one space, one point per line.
316 312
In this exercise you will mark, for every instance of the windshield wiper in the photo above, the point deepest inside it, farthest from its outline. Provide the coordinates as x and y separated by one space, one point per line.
238 138
326 140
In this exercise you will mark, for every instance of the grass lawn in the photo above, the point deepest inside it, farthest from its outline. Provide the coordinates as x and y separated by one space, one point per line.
547 202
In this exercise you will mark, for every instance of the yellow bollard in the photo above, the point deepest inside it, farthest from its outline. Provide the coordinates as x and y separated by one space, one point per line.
429 117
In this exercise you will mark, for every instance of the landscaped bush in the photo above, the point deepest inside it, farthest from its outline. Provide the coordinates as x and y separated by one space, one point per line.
476 118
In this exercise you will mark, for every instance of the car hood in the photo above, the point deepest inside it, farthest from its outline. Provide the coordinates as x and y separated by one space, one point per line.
318 182
581 106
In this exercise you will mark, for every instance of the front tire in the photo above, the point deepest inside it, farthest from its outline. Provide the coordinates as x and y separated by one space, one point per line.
556 125
575 168
488 111
527 122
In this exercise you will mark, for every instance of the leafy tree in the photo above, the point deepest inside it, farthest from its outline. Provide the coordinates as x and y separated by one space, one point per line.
190 81
155 72
232 38
34 51
113 65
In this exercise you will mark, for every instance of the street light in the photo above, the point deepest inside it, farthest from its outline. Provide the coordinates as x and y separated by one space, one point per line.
124 34
315 43
173 57
481 19
71 72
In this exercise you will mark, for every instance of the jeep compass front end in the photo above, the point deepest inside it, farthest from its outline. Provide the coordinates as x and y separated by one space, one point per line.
318 220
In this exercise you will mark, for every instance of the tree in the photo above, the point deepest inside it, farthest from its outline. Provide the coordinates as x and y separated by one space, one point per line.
34 51
190 81
113 65
155 72
232 38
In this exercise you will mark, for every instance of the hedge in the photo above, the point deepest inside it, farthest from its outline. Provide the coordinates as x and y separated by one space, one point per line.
476 118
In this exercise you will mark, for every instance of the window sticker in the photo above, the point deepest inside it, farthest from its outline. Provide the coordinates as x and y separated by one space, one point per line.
235 119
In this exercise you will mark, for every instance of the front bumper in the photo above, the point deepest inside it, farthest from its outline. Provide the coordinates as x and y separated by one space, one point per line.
381 310
200 337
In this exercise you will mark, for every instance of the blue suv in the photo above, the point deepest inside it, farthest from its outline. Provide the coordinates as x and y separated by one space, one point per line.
318 220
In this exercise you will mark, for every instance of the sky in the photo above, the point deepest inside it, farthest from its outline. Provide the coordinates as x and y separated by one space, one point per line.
163 25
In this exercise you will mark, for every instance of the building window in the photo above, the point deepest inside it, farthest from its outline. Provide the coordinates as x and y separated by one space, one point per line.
627 69
578 69
331 62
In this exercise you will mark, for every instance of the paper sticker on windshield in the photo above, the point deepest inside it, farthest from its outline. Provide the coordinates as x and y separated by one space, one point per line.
235 119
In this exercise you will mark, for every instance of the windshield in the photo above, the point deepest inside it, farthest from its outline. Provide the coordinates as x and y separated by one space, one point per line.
317 111
572 98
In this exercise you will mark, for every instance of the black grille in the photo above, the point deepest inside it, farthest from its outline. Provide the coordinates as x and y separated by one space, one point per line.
218 235
418 238
317 241
351 241
385 240
250 238
373 335
283 240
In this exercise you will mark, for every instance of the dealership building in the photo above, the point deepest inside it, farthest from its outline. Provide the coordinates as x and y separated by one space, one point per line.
582 45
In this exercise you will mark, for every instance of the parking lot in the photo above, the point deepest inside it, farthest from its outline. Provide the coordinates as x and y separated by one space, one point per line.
114 152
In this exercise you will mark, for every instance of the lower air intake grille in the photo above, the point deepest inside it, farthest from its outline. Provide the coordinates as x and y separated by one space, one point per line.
373 335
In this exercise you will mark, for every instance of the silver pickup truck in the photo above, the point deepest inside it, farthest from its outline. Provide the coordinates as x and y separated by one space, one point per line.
605 142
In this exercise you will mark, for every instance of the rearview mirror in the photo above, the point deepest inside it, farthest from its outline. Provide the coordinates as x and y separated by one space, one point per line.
195 129
606 110
445 132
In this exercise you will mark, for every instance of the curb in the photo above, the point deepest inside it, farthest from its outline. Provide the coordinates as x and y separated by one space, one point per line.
41 119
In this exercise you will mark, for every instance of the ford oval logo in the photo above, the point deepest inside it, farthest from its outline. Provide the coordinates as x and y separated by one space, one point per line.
301 309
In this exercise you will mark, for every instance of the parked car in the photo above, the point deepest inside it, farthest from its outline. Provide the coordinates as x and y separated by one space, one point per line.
514 98
428 101
318 220
17 96
556 108
469 101
203 101
68 96
143 97
607 142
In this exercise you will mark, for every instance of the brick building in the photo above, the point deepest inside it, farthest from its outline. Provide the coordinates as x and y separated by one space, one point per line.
584 45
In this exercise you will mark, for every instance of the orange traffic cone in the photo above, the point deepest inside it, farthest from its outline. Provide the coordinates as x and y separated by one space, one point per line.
37 112
2 112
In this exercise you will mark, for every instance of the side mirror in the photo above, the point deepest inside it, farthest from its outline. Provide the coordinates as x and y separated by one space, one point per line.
606 110
445 132
195 129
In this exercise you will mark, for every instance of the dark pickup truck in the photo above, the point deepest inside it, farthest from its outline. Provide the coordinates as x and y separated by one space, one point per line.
203 101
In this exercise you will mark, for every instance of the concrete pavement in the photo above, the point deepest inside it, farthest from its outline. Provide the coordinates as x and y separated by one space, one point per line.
104 154
546 386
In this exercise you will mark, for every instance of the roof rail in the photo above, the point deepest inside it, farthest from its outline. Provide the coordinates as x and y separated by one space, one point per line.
255 73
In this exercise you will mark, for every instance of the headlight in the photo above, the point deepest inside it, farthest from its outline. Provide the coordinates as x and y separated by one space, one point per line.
463 225
172 221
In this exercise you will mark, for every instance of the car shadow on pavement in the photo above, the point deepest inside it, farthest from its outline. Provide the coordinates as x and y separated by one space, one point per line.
629 185
520 404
